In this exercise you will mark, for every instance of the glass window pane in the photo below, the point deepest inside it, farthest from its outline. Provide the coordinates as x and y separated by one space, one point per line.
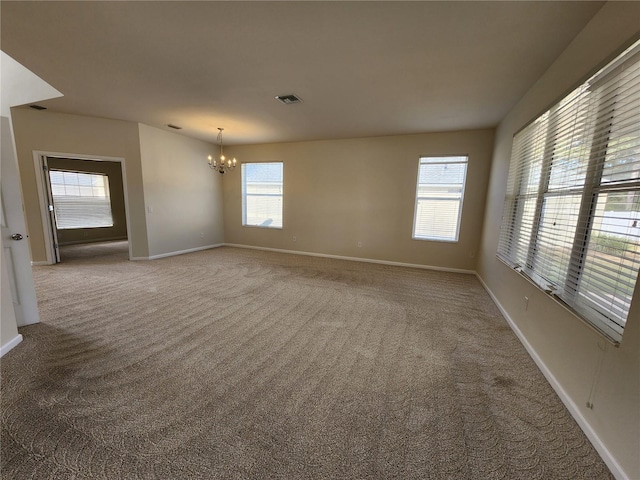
86 191
613 255
555 238
85 179
72 190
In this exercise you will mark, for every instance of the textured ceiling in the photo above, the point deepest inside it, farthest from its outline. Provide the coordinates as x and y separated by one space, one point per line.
361 68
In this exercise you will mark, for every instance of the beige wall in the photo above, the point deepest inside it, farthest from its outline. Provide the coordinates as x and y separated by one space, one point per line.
79 135
339 192
570 349
113 171
183 194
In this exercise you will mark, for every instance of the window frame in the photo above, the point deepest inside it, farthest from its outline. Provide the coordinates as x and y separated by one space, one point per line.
417 199
57 200
244 195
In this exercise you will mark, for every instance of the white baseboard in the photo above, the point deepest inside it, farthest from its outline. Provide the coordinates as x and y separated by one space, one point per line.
575 412
40 263
4 349
180 252
353 259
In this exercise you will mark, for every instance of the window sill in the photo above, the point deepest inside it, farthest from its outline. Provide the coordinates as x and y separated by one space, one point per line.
430 239
263 227
559 301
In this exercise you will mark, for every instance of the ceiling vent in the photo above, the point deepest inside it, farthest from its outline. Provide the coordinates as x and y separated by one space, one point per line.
175 127
38 107
289 99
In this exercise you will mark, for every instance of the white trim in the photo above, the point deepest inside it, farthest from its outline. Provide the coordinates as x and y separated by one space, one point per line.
243 176
4 349
37 264
417 197
38 156
179 252
575 412
354 259
38 160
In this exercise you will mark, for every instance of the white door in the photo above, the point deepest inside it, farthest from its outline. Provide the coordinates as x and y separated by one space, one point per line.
14 233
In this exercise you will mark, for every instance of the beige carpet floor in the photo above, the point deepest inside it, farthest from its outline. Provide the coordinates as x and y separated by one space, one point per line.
241 364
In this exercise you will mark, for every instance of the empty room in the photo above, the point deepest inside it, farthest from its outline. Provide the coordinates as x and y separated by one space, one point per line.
320 240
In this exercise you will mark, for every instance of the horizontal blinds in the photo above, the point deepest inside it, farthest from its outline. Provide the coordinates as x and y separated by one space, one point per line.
571 217
262 185
612 256
439 197
82 212
80 200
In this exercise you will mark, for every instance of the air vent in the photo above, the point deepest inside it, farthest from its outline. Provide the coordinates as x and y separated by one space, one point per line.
38 107
289 99
175 127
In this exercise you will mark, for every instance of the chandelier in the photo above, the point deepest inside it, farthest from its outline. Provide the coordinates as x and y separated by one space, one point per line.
222 164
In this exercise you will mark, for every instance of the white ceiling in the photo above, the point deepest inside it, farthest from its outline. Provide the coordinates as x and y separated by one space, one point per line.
362 68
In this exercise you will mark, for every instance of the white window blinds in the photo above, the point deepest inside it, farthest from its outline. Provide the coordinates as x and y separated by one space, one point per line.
571 218
80 200
439 196
262 194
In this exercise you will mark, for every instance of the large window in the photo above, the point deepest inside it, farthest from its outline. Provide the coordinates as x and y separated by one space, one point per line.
262 194
571 219
439 196
81 200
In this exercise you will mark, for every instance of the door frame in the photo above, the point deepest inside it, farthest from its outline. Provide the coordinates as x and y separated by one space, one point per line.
40 161
53 230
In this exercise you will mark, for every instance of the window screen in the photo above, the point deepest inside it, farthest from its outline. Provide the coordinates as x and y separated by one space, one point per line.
80 200
571 218
262 194
439 196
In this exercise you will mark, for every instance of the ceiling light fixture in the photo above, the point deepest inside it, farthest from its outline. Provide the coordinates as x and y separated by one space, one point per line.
221 165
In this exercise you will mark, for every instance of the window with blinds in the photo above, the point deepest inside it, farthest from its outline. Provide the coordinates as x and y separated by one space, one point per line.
80 200
262 194
571 219
439 196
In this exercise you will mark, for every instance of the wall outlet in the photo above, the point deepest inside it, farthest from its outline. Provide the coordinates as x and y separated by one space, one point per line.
359 243
526 303
295 239
149 209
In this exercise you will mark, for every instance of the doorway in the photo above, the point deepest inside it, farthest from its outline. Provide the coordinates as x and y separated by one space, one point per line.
83 201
